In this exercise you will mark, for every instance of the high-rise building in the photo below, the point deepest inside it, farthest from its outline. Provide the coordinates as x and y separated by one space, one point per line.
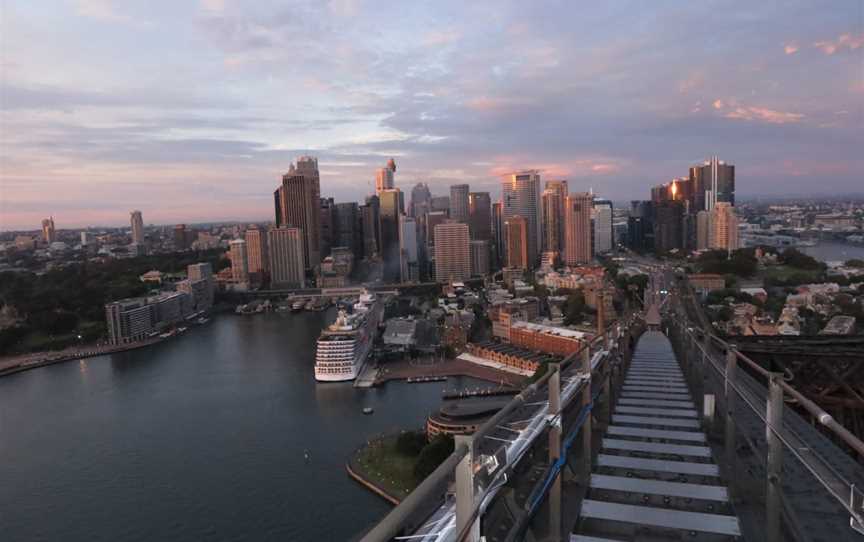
723 227
388 224
577 228
552 216
180 237
640 226
409 268
440 203
298 205
286 248
137 222
256 254
516 234
602 217
384 177
199 284
703 230
480 249
459 202
328 226
480 216
712 181
452 252
239 260
48 233
371 231
421 199
349 228
497 233
668 226
434 218
521 197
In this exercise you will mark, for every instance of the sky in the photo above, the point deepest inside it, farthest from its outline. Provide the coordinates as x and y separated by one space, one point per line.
190 110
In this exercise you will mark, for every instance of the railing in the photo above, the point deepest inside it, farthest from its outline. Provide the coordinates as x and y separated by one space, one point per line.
482 462
790 442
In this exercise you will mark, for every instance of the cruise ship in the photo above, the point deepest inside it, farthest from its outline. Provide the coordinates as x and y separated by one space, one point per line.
344 345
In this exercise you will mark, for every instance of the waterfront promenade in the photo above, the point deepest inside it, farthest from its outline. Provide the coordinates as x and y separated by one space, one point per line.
23 362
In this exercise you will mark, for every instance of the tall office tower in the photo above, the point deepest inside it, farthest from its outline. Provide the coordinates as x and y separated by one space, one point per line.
440 203
577 228
521 197
256 254
388 225
459 202
373 204
452 252
48 234
640 226
668 226
349 228
556 214
137 227
384 177
516 237
480 216
703 230
497 234
239 260
723 227
433 218
480 249
409 257
199 271
180 237
421 198
602 216
328 226
369 221
298 205
286 248
712 182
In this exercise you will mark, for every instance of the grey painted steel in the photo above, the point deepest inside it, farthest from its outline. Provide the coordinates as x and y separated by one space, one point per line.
656 403
658 465
670 412
656 447
729 396
691 436
465 487
659 487
774 417
653 389
649 381
583 538
649 395
644 420
660 517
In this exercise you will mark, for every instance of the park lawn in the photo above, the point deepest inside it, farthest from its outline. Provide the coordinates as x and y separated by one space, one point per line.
783 272
388 468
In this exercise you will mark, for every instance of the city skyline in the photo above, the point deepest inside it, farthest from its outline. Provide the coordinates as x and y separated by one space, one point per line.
446 90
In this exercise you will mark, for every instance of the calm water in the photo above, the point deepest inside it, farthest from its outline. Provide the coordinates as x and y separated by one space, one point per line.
828 251
198 438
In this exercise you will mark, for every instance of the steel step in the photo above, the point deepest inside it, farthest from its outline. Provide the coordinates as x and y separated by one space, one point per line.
660 517
643 411
659 487
691 436
644 420
653 388
648 395
656 403
650 381
658 465
583 538
656 447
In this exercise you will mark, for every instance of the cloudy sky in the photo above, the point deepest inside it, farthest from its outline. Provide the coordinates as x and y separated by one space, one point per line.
191 109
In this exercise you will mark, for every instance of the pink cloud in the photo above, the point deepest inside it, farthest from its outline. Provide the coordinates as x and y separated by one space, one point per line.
790 48
731 109
718 104
844 41
440 37
485 103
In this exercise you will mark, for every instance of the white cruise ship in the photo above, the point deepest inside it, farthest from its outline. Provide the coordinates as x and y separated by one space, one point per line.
344 345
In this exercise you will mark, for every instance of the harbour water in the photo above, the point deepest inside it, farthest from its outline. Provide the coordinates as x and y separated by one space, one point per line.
829 251
202 437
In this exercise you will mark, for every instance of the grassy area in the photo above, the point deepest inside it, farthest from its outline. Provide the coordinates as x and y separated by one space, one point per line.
387 467
784 272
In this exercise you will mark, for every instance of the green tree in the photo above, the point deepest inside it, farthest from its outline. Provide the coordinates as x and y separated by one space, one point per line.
432 455
574 308
410 442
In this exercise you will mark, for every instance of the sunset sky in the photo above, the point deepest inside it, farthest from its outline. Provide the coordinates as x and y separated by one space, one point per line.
191 110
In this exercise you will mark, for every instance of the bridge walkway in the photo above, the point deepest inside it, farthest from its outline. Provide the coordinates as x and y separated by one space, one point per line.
655 478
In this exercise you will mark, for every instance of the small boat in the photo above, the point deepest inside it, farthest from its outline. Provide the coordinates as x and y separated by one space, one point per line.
307 456
368 410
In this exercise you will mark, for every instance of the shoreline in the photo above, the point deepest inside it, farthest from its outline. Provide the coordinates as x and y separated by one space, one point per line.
404 370
369 484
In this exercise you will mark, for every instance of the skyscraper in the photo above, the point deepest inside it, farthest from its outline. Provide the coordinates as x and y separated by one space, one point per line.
285 246
384 177
516 234
421 199
440 203
452 252
497 234
409 268
388 225
577 226
480 249
602 217
668 226
256 254
480 216
521 197
703 230
137 222
459 202
712 182
239 260
48 233
298 205
328 225
552 216
180 237
349 228
723 227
